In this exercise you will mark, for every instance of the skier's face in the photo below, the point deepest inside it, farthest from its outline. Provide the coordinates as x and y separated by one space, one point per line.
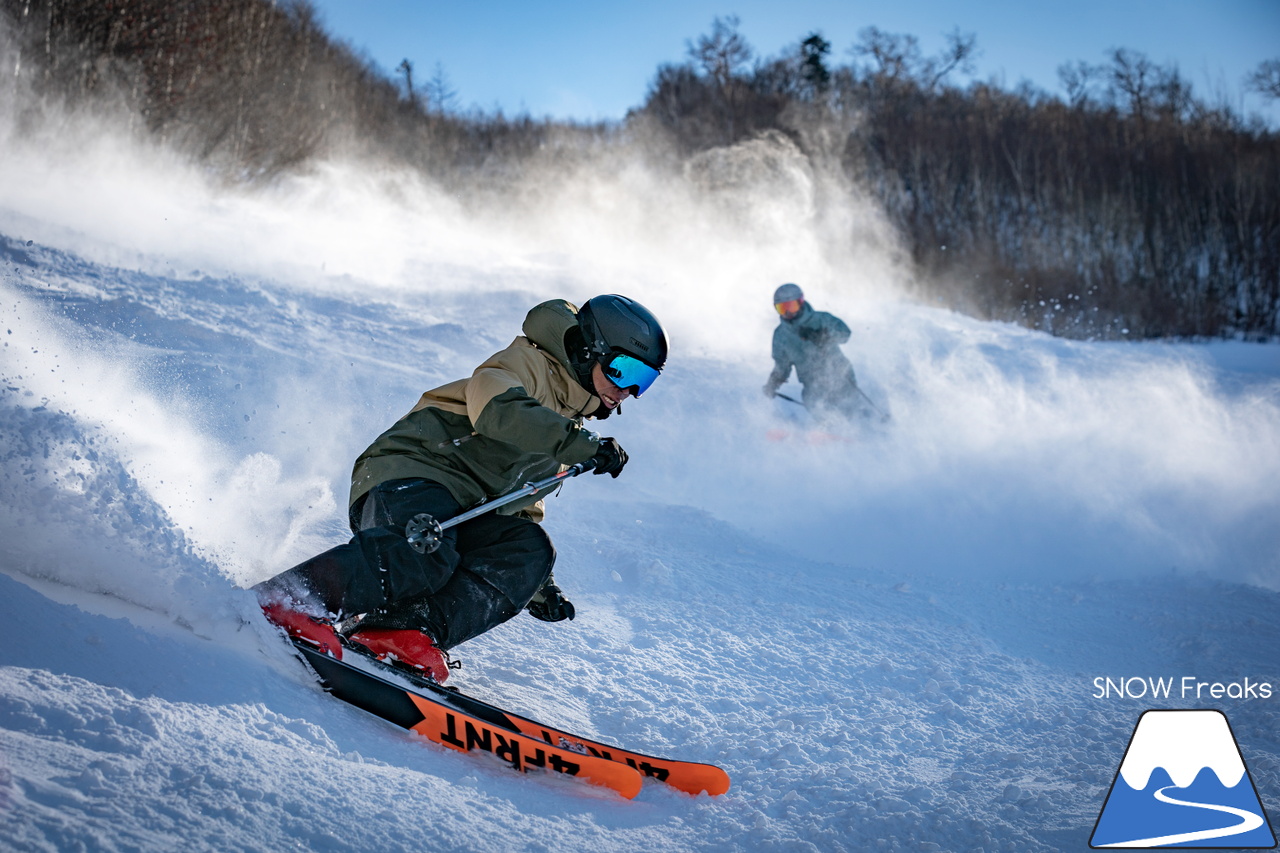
611 395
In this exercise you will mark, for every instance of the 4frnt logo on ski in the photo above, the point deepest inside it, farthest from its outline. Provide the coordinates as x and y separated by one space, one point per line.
467 724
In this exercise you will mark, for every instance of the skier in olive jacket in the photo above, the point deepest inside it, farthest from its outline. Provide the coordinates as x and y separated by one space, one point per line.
516 419
809 340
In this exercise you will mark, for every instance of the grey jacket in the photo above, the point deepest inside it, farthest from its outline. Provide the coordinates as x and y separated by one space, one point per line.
810 343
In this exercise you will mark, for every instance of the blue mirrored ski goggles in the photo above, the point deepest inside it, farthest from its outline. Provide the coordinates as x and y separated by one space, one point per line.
627 371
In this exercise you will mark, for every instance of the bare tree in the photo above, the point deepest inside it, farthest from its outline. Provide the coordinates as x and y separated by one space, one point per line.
441 96
1134 77
723 53
1077 79
723 56
897 58
1265 79
960 52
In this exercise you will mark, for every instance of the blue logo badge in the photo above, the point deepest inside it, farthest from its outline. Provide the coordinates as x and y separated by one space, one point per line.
1182 783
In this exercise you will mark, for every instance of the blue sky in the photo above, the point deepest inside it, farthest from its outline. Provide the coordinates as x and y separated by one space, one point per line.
589 60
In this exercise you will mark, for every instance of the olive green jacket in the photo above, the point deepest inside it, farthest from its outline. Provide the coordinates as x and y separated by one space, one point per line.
516 420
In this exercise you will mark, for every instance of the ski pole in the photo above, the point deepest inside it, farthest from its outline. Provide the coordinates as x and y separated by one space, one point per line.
884 417
423 532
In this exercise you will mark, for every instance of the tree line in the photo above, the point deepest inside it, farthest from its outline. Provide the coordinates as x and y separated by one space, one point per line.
253 89
1128 206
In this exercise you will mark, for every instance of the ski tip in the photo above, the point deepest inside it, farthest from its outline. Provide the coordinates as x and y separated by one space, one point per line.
720 784
622 779
707 779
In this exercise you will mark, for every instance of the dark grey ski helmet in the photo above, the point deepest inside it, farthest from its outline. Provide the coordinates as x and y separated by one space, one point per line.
786 293
618 330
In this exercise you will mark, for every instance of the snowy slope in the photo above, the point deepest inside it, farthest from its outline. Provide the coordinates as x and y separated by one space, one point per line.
890 643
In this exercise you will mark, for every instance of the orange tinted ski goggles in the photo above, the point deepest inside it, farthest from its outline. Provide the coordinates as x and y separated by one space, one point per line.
789 307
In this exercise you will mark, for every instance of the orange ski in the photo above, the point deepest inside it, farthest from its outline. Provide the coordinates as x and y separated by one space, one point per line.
687 776
456 729
521 741
452 728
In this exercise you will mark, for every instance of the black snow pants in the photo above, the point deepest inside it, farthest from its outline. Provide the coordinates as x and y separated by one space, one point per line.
484 572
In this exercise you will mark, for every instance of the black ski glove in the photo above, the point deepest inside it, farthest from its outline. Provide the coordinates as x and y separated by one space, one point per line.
550 605
813 334
610 458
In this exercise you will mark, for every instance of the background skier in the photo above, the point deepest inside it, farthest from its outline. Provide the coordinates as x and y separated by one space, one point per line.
517 419
809 340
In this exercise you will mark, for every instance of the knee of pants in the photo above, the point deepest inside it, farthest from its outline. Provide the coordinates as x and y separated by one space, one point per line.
537 543
541 561
513 555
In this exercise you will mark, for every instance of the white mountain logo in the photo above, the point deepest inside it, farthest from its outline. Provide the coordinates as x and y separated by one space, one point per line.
1182 783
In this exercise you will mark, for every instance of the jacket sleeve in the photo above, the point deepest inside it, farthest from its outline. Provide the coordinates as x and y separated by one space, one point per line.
502 405
834 329
782 363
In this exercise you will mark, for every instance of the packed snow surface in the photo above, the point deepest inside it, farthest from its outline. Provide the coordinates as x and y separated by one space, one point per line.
892 636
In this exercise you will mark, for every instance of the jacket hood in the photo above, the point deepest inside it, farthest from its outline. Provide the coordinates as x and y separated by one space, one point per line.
553 327
546 325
